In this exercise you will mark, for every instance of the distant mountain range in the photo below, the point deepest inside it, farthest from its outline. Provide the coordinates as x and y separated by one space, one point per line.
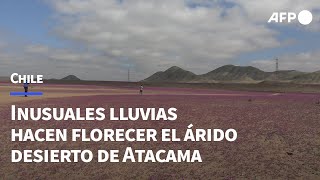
67 78
224 74
71 78
234 74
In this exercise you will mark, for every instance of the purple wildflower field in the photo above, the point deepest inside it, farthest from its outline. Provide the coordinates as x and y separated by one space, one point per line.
278 136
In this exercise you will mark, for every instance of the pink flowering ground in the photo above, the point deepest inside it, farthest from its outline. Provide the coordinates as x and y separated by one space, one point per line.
278 136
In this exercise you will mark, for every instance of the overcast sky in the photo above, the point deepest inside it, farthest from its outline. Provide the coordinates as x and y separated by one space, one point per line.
101 39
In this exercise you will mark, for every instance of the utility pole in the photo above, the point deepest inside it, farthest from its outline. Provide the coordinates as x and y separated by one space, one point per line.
128 73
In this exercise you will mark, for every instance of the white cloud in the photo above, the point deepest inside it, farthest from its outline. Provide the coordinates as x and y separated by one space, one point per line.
37 49
57 63
261 11
158 33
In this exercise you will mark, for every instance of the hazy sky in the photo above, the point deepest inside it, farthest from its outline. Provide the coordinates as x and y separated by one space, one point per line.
100 39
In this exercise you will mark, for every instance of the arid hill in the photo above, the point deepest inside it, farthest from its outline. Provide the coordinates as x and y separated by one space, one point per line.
234 74
173 74
71 78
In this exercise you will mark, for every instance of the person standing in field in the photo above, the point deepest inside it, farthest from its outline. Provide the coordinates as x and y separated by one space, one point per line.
141 90
26 87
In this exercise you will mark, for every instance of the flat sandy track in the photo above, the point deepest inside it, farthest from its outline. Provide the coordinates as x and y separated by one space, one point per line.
62 91
278 135
57 91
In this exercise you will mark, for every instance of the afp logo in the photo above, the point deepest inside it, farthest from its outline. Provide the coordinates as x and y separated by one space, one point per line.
304 17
